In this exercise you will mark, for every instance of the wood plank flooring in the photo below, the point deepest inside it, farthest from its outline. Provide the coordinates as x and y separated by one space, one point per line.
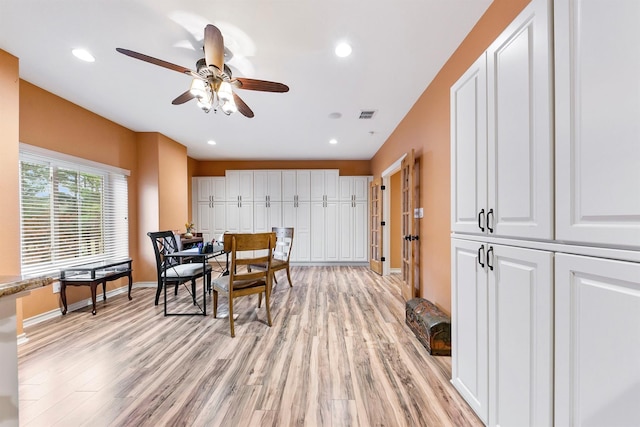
338 354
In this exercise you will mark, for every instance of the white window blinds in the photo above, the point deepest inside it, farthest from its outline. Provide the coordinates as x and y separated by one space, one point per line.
70 213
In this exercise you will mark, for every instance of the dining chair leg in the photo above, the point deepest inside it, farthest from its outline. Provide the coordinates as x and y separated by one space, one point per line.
259 300
266 298
289 277
193 290
233 331
159 291
215 303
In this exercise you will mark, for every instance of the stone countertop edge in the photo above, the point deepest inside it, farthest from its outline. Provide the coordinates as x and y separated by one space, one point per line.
10 285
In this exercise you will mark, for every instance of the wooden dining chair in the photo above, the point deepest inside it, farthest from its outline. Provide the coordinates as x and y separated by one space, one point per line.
172 269
281 253
246 249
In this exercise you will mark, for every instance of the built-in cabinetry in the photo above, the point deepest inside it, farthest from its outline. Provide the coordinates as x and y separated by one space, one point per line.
353 218
324 215
210 206
328 212
296 211
546 287
501 134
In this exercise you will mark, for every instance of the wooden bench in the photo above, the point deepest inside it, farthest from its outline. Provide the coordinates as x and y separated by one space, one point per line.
431 326
92 275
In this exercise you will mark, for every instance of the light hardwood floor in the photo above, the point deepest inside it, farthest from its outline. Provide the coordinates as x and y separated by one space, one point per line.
339 354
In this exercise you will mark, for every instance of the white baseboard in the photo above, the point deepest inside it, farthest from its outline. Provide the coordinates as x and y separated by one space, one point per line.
80 304
22 338
395 271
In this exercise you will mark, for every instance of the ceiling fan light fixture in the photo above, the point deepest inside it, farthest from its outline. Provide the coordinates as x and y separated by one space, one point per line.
198 88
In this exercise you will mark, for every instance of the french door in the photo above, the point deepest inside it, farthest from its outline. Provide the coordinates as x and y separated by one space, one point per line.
409 170
375 221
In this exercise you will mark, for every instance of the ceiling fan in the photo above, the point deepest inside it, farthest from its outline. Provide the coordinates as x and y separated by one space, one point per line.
212 81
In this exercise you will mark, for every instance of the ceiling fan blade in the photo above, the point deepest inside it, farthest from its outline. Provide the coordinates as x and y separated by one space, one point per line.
262 85
187 96
154 61
242 107
213 47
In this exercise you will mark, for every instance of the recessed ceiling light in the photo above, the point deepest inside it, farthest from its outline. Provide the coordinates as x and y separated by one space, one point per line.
83 55
343 50
333 141
211 142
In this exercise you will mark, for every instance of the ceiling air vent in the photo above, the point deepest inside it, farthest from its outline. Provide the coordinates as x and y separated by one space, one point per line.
367 114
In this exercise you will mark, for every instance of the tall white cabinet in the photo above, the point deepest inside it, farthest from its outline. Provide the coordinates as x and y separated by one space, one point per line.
353 219
209 207
296 211
324 215
546 287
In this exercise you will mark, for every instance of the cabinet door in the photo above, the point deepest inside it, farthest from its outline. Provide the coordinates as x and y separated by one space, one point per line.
202 218
520 135
469 150
303 185
217 219
218 188
331 230
597 95
239 185
302 234
317 184
317 231
520 336
201 188
597 341
332 184
289 190
469 346
345 237
360 231
360 188
260 185
346 188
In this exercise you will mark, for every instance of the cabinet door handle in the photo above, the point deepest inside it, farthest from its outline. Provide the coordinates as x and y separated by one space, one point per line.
480 219
490 214
481 255
490 251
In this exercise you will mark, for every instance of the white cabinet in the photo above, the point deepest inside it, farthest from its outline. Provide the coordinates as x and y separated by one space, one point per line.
520 291
597 341
266 215
267 185
324 185
298 215
503 184
469 149
296 185
209 188
210 219
597 103
239 217
208 208
239 185
469 326
354 188
324 231
502 333
353 231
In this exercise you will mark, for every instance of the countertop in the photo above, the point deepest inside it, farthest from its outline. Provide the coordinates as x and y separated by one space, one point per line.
10 285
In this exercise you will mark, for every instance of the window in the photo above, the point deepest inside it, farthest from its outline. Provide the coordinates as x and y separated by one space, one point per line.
72 211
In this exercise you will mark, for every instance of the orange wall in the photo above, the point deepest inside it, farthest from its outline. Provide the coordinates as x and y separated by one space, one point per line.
346 167
51 122
9 185
426 129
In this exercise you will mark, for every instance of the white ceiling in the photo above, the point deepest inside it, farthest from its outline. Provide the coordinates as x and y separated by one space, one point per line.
398 47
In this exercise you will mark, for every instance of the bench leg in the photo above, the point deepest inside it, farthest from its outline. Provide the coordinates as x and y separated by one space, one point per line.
94 286
63 296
